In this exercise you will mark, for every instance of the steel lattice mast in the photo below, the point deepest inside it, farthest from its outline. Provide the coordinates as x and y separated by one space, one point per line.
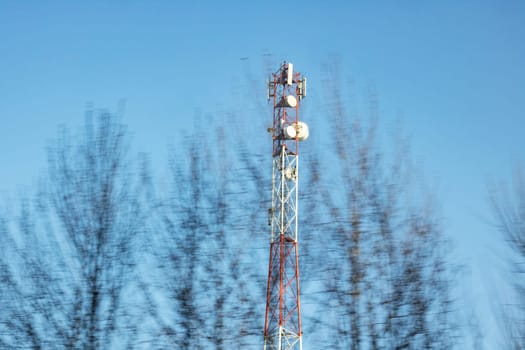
282 326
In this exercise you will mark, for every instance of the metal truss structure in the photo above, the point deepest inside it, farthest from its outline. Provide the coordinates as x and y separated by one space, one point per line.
282 326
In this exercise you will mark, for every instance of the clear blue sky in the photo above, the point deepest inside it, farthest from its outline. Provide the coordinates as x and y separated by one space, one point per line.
453 71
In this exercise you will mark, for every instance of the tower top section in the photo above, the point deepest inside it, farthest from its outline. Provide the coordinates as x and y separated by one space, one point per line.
285 76
287 88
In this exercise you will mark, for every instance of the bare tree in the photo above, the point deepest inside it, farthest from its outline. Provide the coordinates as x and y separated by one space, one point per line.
23 306
382 254
97 204
509 210
74 249
202 248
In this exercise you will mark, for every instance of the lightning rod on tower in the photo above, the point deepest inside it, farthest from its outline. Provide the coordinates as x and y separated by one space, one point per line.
282 325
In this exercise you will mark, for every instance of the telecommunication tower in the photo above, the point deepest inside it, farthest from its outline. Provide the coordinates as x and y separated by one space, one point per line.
282 325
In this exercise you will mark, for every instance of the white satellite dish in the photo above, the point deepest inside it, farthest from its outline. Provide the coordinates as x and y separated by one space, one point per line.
290 132
301 129
288 101
297 130
291 101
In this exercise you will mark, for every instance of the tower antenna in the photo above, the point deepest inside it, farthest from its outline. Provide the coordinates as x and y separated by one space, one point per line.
282 325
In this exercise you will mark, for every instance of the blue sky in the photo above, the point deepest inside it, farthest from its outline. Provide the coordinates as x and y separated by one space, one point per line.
451 70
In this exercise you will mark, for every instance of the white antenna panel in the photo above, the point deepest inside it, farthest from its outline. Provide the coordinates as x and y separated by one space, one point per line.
290 74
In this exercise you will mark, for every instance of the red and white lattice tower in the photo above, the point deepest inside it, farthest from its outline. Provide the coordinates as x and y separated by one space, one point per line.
282 325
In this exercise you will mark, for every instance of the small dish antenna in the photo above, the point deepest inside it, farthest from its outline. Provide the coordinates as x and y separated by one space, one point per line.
288 101
297 130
